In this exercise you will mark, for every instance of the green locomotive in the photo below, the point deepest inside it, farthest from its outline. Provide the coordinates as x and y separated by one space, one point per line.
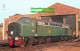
33 31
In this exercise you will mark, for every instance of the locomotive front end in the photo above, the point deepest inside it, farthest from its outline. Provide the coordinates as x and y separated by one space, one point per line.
14 31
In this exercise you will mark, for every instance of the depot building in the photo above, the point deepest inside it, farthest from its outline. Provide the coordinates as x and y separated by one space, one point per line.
62 13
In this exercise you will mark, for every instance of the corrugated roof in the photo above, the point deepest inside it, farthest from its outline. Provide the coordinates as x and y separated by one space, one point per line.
63 5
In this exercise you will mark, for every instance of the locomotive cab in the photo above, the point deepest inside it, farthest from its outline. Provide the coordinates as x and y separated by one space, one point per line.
14 29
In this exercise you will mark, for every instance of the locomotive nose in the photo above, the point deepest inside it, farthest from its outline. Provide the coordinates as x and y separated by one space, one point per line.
14 29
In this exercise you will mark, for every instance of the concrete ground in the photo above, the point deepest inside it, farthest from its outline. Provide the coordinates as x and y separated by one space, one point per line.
57 46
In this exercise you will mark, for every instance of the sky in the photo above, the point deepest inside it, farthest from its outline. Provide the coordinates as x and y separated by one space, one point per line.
13 7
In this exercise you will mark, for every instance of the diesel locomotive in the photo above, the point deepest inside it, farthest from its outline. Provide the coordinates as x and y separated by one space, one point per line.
34 31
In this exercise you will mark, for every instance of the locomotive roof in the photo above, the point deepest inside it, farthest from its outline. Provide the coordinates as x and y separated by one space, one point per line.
48 21
56 24
42 22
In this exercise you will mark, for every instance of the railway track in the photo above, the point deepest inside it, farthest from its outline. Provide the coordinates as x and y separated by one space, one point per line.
43 47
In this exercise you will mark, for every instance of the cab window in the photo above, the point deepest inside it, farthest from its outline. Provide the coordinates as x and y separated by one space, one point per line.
24 20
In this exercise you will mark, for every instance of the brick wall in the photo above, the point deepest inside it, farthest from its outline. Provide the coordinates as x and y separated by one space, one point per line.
1 29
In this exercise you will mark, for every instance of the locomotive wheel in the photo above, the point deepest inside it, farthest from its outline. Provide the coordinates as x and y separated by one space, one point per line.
43 40
48 40
62 39
66 38
69 38
40 40
23 44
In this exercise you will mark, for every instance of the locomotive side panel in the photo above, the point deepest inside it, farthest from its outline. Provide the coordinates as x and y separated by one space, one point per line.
57 31
27 30
52 31
43 30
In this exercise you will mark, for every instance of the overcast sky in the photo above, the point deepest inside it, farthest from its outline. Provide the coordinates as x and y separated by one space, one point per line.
23 6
